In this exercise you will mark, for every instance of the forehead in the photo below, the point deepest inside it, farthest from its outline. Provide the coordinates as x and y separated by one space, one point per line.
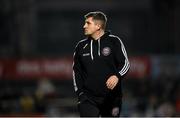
90 19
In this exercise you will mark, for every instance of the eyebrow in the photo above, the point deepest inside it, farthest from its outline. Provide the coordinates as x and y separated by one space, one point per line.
87 22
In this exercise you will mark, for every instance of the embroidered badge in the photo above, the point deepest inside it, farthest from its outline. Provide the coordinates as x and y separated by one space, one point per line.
106 51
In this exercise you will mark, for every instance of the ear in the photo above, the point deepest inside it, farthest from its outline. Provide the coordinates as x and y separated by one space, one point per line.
98 26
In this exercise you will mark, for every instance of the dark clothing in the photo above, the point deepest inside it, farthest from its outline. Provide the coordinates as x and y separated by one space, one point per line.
88 107
94 62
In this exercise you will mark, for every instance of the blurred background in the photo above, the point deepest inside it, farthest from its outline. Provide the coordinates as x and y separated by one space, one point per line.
37 40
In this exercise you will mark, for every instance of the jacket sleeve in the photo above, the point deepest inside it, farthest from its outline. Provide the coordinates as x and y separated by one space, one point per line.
77 73
121 58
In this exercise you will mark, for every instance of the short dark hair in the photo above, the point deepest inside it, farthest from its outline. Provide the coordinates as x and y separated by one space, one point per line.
97 15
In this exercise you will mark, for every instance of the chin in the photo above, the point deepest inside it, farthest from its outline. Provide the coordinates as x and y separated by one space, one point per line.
87 34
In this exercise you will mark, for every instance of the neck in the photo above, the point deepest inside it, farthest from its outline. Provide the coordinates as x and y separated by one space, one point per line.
97 34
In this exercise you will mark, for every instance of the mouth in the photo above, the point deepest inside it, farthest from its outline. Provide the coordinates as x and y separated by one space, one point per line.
85 31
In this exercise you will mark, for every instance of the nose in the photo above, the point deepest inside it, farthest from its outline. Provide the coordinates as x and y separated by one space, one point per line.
84 26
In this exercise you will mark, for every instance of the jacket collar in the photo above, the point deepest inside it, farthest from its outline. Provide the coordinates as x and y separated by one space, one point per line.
107 33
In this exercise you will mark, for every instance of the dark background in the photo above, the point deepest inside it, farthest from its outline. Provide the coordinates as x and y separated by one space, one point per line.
52 28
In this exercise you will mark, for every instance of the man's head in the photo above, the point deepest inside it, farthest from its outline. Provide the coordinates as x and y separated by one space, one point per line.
94 21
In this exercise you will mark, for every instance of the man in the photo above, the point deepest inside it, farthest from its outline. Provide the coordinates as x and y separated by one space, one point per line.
100 63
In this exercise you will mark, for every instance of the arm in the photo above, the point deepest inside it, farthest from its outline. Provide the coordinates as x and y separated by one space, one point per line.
121 59
77 73
121 62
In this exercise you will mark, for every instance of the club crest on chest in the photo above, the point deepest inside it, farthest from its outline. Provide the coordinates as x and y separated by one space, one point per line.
106 51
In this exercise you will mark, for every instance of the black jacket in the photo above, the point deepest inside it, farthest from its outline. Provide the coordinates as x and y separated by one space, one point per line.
95 61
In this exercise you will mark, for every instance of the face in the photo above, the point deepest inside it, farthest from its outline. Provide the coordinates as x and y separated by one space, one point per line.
90 26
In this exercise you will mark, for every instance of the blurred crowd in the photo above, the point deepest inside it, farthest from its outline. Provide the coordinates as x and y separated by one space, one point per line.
141 97
151 97
34 98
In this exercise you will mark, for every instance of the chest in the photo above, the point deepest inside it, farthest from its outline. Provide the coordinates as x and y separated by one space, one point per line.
93 52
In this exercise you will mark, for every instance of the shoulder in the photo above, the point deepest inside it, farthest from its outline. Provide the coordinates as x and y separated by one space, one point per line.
115 39
81 42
